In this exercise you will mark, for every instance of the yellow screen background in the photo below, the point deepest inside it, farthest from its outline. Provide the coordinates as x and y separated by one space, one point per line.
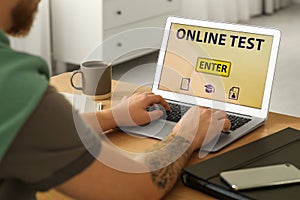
248 67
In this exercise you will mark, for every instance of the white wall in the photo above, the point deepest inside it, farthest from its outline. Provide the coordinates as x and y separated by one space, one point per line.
38 41
78 16
195 9
296 1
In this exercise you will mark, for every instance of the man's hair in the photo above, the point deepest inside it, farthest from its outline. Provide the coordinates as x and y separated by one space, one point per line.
22 18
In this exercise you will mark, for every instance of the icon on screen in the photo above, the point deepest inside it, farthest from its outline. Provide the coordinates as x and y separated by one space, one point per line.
234 93
209 88
185 84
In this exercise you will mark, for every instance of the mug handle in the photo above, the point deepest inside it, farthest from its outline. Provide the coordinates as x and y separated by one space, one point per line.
71 79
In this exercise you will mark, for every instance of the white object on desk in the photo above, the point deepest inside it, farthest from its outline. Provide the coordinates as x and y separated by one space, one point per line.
82 103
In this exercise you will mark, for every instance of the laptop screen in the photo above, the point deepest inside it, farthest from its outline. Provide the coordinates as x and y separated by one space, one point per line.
222 65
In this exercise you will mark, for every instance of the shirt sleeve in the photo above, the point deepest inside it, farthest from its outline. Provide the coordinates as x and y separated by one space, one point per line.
48 150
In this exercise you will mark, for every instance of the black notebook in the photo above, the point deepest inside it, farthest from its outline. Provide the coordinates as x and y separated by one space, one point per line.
278 148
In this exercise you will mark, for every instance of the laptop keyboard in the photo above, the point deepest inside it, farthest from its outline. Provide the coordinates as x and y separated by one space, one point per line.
237 121
177 111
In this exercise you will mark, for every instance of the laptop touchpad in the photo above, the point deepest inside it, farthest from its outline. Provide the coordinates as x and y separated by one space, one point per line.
157 129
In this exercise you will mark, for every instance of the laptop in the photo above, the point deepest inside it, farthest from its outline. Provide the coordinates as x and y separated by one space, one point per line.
217 65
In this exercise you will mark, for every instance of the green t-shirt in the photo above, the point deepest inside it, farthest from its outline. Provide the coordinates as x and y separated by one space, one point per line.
23 80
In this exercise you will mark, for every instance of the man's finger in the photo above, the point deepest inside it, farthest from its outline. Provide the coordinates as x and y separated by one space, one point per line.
220 114
156 114
227 125
158 99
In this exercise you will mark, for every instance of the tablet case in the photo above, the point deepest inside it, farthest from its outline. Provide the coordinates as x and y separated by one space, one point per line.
278 148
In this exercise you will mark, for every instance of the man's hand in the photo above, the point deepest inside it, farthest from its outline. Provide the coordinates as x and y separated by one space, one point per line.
200 125
131 111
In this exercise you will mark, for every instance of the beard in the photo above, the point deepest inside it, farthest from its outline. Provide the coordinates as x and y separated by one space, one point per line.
22 15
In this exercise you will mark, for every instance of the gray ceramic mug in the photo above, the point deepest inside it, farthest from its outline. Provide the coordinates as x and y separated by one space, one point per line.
96 79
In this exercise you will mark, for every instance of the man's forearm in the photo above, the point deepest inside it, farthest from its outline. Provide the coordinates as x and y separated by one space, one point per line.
174 150
162 163
100 121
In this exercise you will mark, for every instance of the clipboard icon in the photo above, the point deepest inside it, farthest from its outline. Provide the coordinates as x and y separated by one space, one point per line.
185 84
234 93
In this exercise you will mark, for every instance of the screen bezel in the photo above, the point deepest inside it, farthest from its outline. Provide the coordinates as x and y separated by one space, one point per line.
263 111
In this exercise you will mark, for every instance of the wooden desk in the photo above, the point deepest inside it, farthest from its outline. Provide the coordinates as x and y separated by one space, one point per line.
274 123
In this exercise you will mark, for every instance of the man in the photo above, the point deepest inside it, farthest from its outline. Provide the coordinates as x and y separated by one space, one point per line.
41 149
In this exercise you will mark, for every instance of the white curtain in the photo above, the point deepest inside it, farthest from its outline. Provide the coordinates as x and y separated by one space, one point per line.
38 40
216 10
273 5
230 10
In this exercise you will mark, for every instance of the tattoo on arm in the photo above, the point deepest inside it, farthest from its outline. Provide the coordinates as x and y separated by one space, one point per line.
166 164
